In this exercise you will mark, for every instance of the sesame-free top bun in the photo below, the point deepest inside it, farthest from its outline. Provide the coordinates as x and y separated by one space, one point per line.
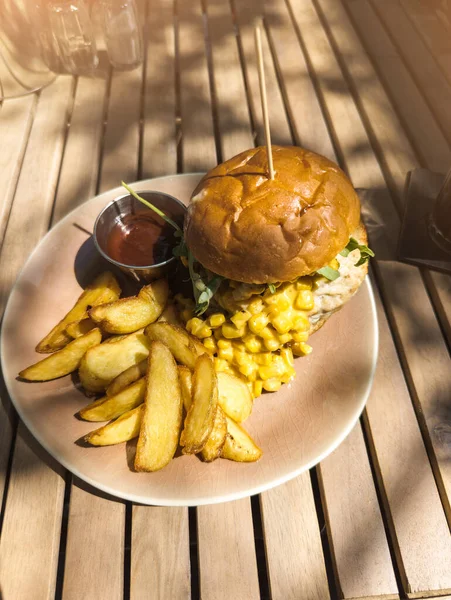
244 226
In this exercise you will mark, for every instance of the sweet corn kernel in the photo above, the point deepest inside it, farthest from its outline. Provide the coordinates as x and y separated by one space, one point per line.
231 331
222 343
238 346
186 314
303 284
253 343
263 358
268 333
241 358
301 323
216 320
249 370
272 345
198 328
288 376
287 356
284 338
257 388
301 348
258 322
272 385
210 345
218 334
282 323
226 354
304 300
255 306
299 336
240 318
220 365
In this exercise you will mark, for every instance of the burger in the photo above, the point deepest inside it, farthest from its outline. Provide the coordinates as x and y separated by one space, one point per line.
270 259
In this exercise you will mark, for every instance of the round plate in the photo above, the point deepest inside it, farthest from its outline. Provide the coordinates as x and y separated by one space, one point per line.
296 427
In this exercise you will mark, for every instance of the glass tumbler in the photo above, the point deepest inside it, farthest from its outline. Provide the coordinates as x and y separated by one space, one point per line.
123 36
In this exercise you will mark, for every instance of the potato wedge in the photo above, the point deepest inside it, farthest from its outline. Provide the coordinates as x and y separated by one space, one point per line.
130 314
184 347
104 362
63 361
234 397
239 446
216 440
111 407
104 288
186 386
127 377
79 328
162 417
125 428
201 414
170 315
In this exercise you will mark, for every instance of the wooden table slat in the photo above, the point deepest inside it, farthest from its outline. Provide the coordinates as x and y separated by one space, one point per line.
198 141
95 546
248 13
31 529
431 81
227 561
159 148
365 172
294 552
360 554
160 559
425 134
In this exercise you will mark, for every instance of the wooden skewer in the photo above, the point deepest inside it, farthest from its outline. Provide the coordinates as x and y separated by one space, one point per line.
264 99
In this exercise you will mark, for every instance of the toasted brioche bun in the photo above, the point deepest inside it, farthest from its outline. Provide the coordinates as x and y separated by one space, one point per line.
244 226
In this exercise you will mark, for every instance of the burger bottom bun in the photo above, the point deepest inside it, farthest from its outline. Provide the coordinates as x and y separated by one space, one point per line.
330 296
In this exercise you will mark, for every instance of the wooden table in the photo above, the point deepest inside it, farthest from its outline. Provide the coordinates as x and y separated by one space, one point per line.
365 82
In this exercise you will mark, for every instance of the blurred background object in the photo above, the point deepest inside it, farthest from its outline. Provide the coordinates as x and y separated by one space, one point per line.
42 38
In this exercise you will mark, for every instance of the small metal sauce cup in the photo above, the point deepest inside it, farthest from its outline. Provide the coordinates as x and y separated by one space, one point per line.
125 205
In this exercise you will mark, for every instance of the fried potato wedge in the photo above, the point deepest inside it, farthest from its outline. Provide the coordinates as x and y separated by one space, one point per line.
234 397
186 386
184 347
125 428
104 288
127 377
79 328
111 407
201 414
63 361
239 446
130 314
162 417
216 440
170 315
104 362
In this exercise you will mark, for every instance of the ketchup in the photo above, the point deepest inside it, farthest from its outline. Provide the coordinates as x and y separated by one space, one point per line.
141 239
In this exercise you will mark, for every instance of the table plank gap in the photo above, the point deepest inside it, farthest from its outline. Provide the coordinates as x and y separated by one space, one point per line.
227 569
247 15
160 561
36 490
366 173
95 545
293 542
419 123
429 78
159 149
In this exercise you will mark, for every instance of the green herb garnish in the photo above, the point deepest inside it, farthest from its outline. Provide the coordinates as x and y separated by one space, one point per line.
159 212
272 288
365 252
329 273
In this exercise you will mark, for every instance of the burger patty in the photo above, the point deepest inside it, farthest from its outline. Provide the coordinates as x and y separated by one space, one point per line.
330 296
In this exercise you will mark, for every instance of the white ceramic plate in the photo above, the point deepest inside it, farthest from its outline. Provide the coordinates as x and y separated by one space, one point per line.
296 427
